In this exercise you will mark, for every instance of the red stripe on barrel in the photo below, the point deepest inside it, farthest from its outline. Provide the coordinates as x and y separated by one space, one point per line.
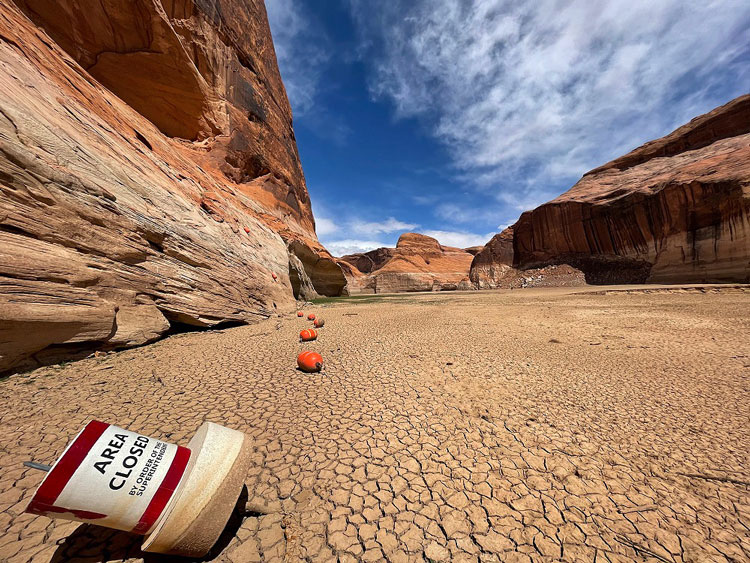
165 491
47 493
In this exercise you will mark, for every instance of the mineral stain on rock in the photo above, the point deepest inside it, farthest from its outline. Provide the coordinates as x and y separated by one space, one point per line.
674 210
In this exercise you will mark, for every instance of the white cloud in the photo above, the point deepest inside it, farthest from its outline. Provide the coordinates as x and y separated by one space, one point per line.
458 212
304 52
352 246
325 227
301 51
425 199
389 225
525 201
459 239
355 234
524 94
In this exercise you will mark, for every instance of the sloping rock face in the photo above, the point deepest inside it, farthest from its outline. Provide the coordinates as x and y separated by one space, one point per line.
418 263
674 210
368 262
149 176
493 265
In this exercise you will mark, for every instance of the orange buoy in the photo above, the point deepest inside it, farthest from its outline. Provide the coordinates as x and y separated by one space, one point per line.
247 230
310 361
300 314
319 323
310 317
308 334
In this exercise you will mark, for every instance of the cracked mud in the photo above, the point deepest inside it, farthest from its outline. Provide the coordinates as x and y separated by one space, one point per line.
542 425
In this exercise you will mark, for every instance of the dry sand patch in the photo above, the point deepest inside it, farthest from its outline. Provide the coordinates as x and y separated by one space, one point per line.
536 425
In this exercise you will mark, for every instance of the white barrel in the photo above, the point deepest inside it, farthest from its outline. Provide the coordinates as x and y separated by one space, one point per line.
112 477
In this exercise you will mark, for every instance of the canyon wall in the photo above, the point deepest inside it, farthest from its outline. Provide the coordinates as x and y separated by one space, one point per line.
149 175
673 210
418 263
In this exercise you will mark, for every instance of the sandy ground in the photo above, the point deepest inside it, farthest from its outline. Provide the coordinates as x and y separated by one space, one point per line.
538 425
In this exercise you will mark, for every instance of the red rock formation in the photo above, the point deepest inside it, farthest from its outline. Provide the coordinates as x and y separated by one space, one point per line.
418 263
674 210
367 262
494 263
149 175
474 250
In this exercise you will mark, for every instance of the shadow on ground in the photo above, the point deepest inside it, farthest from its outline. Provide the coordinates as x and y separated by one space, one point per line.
94 544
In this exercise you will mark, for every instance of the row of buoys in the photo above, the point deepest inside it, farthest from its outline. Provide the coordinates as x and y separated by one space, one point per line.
309 361
179 498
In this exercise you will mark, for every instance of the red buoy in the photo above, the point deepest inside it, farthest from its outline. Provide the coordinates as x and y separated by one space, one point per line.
310 361
319 323
274 276
308 334
247 230
310 317
300 314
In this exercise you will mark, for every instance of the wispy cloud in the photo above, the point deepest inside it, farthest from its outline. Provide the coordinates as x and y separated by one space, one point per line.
352 246
389 225
304 51
355 234
338 240
325 227
301 59
327 224
459 212
525 94
459 239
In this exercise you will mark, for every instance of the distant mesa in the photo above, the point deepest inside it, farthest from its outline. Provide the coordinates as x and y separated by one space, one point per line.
675 210
418 263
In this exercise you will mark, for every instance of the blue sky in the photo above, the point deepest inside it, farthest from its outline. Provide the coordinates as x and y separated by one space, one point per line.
451 117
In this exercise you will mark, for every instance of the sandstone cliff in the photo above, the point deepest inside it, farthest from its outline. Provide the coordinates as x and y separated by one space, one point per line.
418 263
149 175
673 210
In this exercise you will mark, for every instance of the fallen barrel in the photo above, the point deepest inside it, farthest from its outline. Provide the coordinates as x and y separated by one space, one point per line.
308 334
310 361
180 498
319 323
310 317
